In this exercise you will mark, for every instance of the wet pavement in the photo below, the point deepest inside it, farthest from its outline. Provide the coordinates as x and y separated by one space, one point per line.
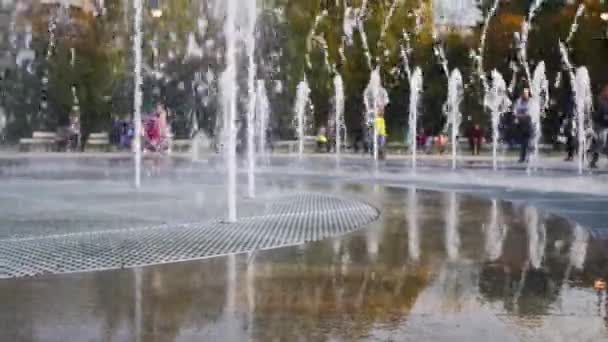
436 266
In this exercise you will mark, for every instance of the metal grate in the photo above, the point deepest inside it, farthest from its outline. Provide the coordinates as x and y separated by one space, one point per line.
288 221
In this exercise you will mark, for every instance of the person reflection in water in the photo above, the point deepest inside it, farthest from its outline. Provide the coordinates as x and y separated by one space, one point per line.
524 123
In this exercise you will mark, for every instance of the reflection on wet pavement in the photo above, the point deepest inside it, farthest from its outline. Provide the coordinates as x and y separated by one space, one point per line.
435 267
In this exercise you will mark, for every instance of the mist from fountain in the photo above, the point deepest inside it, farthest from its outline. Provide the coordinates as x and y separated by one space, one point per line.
498 102
302 100
452 110
415 96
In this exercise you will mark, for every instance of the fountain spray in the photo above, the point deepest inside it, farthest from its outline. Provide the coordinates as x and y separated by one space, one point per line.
138 83
452 110
250 42
482 46
523 37
583 100
311 36
339 112
539 103
361 13
443 61
579 13
406 52
75 101
302 99
514 71
375 99
498 102
573 28
262 108
415 95
581 89
229 106
386 24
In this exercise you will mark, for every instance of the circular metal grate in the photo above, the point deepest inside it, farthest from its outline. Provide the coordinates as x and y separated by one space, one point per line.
287 221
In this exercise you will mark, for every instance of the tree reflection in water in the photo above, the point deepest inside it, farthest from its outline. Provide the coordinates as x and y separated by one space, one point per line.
333 289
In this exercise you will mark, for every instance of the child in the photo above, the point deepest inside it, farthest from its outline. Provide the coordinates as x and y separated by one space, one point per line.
380 126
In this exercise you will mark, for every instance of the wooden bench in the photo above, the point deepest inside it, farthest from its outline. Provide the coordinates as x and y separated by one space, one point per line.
98 142
39 142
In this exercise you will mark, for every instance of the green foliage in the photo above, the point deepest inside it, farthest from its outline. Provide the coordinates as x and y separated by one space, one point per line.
103 78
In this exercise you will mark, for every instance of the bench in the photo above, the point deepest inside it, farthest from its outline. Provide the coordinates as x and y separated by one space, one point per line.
292 146
39 142
181 145
98 142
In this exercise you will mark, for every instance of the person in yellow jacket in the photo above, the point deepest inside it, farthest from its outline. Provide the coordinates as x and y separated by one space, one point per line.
380 126
322 140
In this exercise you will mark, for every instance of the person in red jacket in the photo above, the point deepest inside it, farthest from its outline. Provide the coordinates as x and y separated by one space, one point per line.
476 138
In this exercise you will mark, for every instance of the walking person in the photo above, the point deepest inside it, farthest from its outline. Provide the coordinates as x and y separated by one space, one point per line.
322 141
568 136
476 138
331 135
380 126
523 121
600 122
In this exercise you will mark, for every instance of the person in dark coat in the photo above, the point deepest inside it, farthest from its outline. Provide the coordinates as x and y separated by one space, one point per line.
568 129
600 121
523 120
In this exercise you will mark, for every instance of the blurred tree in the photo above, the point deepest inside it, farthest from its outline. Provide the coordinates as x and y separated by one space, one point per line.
188 82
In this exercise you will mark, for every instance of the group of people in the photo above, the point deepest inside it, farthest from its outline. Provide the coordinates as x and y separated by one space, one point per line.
155 132
476 136
597 136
